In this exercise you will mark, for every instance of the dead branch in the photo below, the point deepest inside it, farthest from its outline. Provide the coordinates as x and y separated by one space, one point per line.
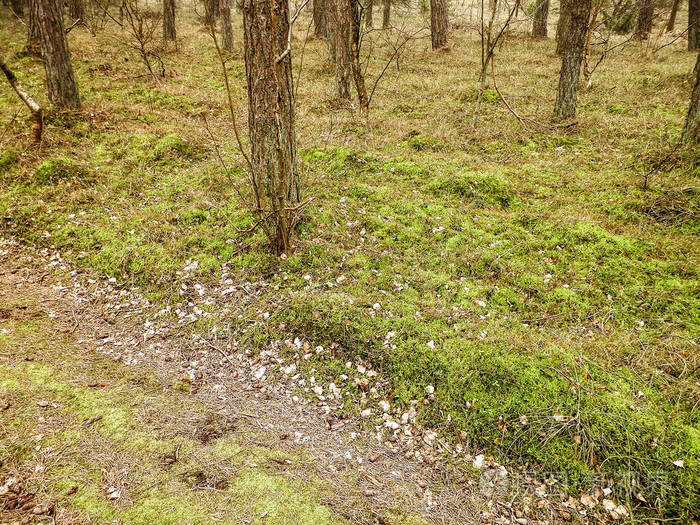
37 113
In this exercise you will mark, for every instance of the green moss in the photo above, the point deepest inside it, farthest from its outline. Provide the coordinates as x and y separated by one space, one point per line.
59 169
8 158
420 142
484 189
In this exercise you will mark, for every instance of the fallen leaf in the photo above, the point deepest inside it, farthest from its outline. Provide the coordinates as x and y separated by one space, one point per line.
588 500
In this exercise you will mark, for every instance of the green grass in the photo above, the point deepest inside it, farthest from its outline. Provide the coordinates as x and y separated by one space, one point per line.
548 280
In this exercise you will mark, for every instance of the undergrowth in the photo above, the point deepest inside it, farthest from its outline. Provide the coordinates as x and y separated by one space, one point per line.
559 297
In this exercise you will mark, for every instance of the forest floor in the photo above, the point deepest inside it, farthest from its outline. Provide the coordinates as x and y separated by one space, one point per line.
496 301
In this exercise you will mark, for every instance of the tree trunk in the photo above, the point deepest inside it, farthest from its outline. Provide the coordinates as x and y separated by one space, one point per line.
645 18
60 82
565 107
369 14
339 44
386 14
539 21
225 25
672 17
268 67
169 20
691 131
563 25
693 25
33 39
17 7
320 19
354 12
439 23
76 9
211 12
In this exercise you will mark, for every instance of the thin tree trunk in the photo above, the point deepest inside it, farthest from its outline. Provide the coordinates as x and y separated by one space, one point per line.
339 45
211 12
565 107
17 7
76 9
225 25
33 40
60 81
672 17
563 25
320 19
645 19
369 14
691 131
169 20
268 67
353 7
539 20
439 23
37 116
693 25
386 15
587 48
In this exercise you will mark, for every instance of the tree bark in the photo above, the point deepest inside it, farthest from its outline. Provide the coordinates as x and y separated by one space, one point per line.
563 25
33 40
672 16
169 20
565 107
211 12
320 19
268 67
339 44
369 14
439 23
693 25
60 81
691 131
17 7
539 20
76 9
645 19
225 25
386 15
354 12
